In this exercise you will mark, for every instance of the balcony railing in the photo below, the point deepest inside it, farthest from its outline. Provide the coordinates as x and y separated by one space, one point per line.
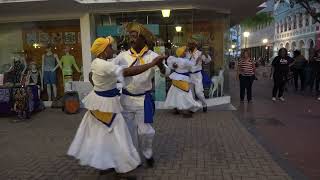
298 32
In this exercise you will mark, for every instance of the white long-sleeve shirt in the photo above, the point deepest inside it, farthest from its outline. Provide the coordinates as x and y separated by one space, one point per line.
184 66
194 56
140 83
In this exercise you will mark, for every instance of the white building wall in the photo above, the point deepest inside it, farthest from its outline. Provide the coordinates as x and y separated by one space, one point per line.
256 37
295 29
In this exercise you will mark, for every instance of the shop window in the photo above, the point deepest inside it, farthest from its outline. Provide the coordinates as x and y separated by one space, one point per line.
307 19
207 30
300 20
33 44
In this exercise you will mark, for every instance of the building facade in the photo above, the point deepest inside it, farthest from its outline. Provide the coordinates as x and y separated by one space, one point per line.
261 38
295 29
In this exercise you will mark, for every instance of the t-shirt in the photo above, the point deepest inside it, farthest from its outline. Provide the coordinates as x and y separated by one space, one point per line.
316 64
246 68
281 65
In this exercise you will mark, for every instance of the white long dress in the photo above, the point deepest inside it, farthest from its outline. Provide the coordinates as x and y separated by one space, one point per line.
96 144
176 97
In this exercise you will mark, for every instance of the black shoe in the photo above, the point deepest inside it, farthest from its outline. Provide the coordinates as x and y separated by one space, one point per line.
205 109
150 162
107 171
187 115
176 111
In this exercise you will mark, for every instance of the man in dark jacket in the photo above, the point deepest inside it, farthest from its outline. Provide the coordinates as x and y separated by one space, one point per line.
298 69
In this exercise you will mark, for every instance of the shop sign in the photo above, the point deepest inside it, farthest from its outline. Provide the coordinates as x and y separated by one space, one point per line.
117 30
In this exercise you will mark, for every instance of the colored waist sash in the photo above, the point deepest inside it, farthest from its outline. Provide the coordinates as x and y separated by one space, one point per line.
106 118
183 85
195 72
149 106
109 93
185 74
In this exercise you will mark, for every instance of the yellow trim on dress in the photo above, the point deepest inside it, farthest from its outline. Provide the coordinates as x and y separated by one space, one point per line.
183 85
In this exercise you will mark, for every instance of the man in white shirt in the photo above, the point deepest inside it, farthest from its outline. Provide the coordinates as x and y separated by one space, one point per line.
136 97
196 76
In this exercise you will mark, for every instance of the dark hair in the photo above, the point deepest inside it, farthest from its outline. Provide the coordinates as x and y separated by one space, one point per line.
282 49
296 53
243 53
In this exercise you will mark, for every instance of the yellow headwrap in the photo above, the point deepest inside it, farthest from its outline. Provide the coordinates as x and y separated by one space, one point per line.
100 44
181 50
141 30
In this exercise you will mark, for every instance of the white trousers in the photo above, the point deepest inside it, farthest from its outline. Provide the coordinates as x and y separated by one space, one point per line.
196 81
142 133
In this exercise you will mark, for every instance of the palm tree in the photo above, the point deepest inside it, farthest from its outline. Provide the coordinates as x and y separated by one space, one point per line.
257 20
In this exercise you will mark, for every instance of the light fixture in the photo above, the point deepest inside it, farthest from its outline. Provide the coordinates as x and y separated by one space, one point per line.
265 41
233 46
230 50
246 34
166 13
267 47
36 45
178 28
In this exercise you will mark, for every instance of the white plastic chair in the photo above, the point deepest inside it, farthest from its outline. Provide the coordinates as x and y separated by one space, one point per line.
218 81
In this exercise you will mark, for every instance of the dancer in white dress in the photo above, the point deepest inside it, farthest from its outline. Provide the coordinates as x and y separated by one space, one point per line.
179 95
103 140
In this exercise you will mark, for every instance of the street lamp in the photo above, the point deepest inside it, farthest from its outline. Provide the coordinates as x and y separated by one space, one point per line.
233 46
246 35
265 41
178 29
166 13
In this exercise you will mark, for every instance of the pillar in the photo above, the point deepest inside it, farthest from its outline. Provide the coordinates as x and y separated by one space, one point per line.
87 29
297 20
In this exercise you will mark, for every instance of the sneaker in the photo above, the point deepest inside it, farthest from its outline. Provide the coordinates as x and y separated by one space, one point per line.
282 99
274 99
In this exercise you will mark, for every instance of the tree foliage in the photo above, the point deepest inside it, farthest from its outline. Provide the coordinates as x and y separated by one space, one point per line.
308 6
257 20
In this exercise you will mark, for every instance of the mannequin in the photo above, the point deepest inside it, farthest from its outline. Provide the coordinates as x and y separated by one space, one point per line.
67 61
34 77
49 62
17 68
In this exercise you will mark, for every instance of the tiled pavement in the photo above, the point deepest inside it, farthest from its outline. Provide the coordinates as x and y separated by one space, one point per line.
209 146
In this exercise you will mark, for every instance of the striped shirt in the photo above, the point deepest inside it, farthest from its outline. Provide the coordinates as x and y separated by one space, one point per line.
246 68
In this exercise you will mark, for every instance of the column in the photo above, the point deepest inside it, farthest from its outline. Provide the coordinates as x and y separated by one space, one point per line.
306 53
303 19
87 36
297 20
292 22
310 20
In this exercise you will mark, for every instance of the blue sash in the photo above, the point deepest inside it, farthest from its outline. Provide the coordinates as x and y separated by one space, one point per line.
185 74
206 81
195 72
109 93
149 106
